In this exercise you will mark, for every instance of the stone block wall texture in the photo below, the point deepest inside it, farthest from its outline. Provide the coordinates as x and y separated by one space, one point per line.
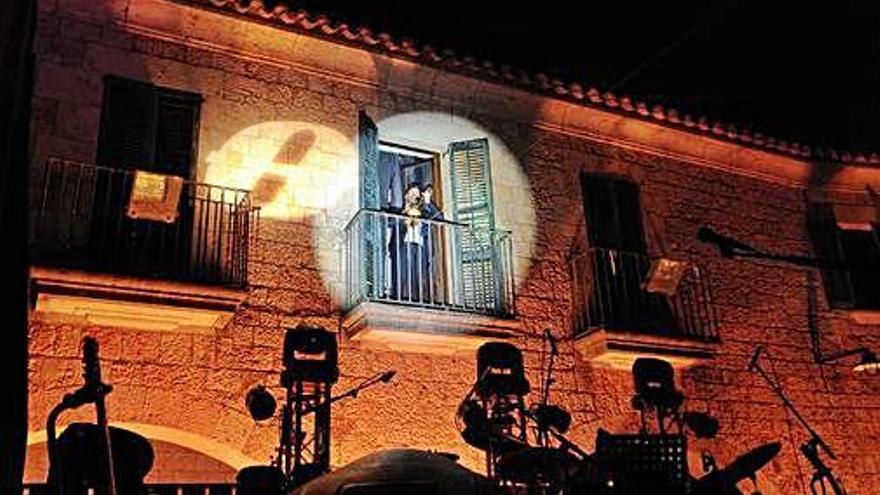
192 386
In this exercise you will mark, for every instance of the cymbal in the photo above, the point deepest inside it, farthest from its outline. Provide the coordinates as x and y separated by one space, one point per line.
749 463
532 464
723 481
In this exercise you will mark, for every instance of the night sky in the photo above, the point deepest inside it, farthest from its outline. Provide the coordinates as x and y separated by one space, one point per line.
801 71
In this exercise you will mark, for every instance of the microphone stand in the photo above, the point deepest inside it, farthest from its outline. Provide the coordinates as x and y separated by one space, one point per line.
822 473
545 391
353 392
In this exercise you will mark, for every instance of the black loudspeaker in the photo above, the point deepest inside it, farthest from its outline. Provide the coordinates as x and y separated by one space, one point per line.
500 370
310 355
655 383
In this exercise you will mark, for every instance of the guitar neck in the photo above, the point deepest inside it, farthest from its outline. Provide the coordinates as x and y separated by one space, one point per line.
101 411
92 376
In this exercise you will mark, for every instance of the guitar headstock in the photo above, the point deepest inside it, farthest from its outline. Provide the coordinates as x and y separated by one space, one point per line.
91 364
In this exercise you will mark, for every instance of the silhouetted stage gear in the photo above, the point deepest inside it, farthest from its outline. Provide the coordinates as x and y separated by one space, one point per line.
654 381
490 417
723 481
261 480
478 431
641 464
78 449
551 416
701 424
311 367
538 466
96 456
400 472
500 370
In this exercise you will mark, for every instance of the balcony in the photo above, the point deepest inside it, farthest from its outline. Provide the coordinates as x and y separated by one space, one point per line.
615 319
84 245
432 280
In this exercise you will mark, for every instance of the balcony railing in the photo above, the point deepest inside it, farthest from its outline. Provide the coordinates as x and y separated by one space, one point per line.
609 294
78 220
155 489
428 263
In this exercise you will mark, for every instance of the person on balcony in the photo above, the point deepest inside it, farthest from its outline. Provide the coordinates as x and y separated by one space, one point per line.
405 247
431 289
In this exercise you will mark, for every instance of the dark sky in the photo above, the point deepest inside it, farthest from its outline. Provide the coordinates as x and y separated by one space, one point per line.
802 71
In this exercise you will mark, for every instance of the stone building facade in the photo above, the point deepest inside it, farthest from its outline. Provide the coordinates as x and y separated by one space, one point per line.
279 97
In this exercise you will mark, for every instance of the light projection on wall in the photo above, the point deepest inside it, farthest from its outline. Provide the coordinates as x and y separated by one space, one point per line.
294 170
511 190
299 171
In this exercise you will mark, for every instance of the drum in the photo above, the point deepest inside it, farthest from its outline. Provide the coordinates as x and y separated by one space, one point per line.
260 480
400 472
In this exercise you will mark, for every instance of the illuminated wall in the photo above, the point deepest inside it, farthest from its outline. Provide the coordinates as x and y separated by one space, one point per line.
279 117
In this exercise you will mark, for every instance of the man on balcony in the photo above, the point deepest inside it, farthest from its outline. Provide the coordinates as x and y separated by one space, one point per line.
405 247
431 289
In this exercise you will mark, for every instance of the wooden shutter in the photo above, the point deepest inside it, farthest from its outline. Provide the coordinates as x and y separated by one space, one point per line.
827 245
368 154
148 128
371 245
127 135
613 213
176 131
473 205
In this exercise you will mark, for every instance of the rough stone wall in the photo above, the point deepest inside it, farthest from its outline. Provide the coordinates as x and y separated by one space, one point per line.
195 383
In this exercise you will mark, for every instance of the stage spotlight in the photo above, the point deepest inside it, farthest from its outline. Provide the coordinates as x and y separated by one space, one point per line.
868 364
260 403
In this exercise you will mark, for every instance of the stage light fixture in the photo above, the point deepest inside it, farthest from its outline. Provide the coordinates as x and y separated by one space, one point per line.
260 403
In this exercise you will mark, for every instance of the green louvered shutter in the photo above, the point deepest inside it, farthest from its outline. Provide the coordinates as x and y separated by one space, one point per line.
472 205
371 253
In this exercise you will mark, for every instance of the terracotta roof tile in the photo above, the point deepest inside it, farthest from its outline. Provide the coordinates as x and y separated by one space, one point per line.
321 26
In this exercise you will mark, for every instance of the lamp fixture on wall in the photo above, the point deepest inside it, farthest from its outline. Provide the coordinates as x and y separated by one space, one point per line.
868 363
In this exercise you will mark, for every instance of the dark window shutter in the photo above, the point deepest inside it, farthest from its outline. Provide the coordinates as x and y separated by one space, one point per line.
148 128
372 243
861 247
368 156
613 213
127 135
827 245
177 126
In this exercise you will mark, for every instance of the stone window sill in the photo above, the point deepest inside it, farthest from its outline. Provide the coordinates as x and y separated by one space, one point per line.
619 349
864 316
119 301
424 330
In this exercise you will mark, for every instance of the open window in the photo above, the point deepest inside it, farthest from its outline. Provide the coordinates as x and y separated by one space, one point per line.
425 234
137 210
616 315
848 235
616 262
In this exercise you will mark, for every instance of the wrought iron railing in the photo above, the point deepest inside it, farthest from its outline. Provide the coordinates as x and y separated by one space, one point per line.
609 293
79 220
155 489
428 263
